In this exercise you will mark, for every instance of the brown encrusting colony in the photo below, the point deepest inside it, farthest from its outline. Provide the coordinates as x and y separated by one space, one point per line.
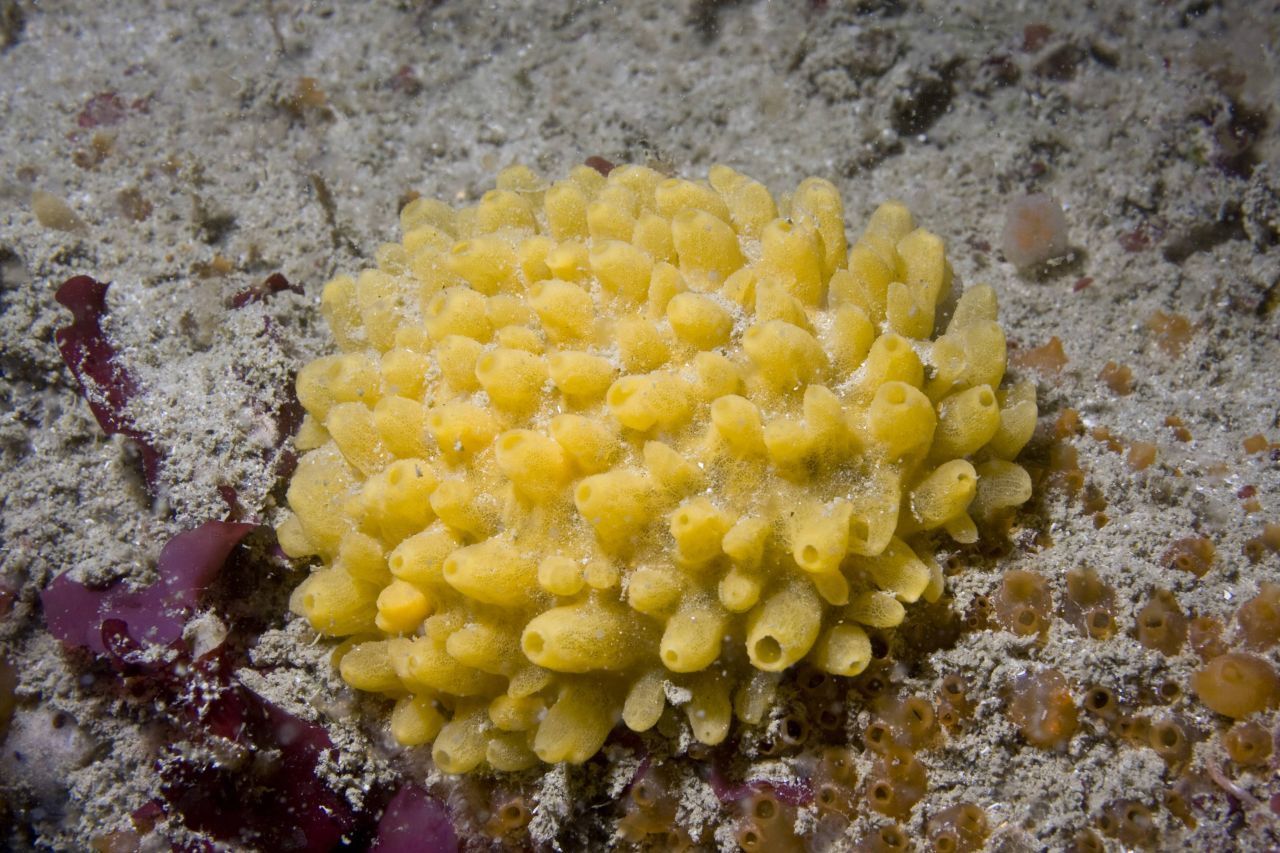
1098 670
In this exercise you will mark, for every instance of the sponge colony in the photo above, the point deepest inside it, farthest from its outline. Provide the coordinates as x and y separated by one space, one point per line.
584 439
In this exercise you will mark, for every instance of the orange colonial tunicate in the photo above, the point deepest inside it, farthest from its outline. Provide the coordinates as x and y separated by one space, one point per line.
1237 684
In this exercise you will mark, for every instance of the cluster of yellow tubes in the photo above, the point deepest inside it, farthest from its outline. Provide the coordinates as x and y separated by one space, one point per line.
596 443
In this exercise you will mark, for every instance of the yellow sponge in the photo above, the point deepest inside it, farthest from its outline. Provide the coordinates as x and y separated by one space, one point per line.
587 438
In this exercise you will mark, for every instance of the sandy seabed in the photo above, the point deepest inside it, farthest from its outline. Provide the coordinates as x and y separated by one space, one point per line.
187 152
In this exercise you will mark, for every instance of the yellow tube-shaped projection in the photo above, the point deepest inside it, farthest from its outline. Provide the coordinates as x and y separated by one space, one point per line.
782 628
590 635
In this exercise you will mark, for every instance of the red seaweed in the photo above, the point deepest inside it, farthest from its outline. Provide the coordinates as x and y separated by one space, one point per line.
793 793
8 595
147 815
282 804
102 110
273 284
273 796
86 618
1137 240
105 383
231 498
600 164
415 822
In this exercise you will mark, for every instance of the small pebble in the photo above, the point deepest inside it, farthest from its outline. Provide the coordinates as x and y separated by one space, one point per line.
1035 231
